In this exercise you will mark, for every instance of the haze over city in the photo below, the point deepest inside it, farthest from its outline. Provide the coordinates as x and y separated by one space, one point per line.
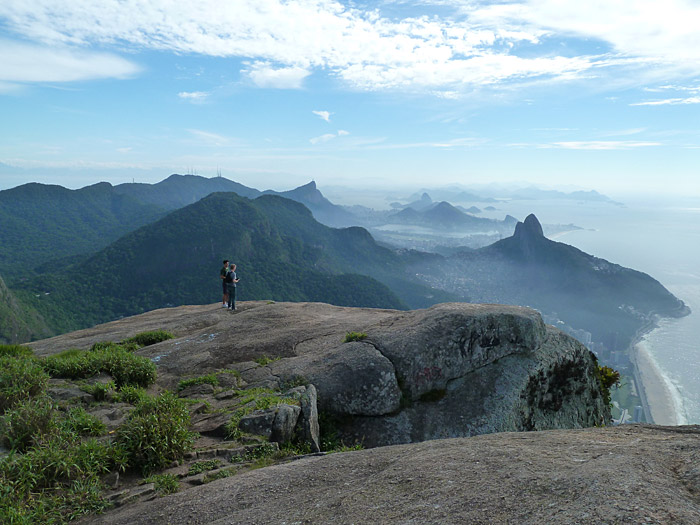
596 95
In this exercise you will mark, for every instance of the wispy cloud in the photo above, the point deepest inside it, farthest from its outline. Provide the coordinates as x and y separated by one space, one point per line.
669 102
28 63
601 145
265 75
325 115
481 44
195 97
213 139
329 136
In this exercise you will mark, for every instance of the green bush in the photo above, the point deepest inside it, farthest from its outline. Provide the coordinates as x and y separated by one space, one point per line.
20 378
265 360
354 336
608 377
109 345
130 394
23 425
149 338
156 432
15 351
125 367
79 421
164 483
99 390
203 466
208 379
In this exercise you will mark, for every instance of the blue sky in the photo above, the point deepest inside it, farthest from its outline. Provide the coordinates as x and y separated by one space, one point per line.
600 95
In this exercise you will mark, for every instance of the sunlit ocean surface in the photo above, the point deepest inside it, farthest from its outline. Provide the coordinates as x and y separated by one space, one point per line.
661 239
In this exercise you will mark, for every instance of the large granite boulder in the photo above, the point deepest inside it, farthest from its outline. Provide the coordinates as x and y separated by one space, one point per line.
447 371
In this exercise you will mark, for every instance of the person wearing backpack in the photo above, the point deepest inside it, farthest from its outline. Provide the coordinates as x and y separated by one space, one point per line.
231 281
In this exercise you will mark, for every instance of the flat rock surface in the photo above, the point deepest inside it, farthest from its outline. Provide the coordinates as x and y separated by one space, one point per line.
627 474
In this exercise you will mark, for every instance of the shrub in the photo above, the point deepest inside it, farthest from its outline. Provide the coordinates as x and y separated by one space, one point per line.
99 390
130 394
23 424
156 432
20 378
210 379
354 336
149 338
15 351
109 345
164 483
265 360
79 421
203 466
125 367
608 377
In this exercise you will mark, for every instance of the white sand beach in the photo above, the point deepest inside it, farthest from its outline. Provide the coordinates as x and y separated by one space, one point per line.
655 392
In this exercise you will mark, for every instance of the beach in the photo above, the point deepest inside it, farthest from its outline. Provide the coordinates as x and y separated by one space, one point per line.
655 392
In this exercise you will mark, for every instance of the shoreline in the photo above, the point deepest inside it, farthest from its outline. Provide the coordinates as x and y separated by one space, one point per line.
653 390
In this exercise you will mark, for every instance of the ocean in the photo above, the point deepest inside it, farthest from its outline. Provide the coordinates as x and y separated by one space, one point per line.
661 239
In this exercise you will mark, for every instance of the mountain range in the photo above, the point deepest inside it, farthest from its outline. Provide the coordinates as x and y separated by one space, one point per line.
606 299
72 258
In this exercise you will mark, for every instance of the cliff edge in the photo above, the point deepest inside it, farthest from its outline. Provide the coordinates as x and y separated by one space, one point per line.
451 370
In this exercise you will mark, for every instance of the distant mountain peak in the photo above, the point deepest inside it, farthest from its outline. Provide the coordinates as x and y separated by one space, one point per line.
310 186
426 198
530 227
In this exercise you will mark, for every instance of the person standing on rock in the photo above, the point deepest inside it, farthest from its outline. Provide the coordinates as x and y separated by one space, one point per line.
223 273
231 281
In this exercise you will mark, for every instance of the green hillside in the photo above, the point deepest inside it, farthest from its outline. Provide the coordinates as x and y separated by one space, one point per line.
41 224
178 191
19 323
281 251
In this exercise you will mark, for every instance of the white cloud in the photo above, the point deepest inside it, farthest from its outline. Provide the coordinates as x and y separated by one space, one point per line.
329 136
124 150
325 115
479 45
213 139
601 145
323 138
194 96
23 63
669 102
265 75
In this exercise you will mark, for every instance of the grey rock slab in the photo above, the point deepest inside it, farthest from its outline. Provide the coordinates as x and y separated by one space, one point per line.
351 379
210 424
621 474
204 389
258 423
112 415
430 347
72 394
285 421
308 429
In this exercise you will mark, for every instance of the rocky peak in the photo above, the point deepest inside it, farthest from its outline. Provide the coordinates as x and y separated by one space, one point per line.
530 227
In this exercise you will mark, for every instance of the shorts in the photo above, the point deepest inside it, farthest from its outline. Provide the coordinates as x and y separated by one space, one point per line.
225 287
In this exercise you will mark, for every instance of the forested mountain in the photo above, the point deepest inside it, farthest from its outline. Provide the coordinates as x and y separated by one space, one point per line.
42 223
178 191
606 299
17 322
323 210
281 251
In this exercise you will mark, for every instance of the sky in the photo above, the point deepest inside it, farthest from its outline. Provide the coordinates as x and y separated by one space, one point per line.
600 95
